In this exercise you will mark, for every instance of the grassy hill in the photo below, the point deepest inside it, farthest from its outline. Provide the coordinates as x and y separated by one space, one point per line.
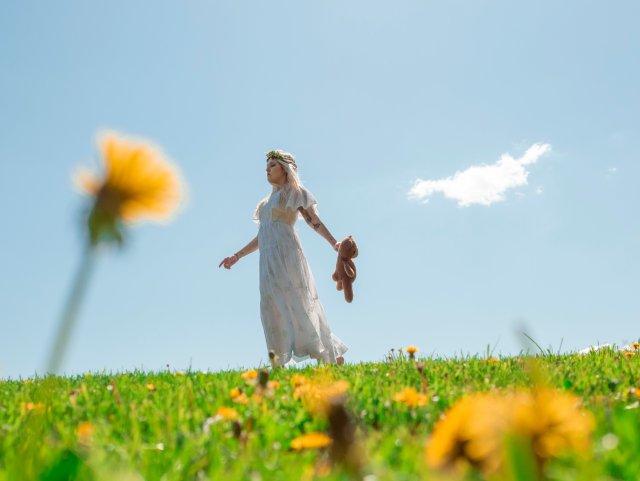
562 417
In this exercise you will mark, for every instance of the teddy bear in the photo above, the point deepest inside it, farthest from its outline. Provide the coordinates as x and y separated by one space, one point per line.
345 272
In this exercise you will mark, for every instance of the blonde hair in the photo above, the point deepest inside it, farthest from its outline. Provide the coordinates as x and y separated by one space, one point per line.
292 185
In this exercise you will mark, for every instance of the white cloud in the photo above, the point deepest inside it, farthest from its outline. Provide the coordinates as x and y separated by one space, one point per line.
539 190
612 170
481 184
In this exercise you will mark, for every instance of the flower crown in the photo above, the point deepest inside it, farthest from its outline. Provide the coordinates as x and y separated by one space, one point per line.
278 155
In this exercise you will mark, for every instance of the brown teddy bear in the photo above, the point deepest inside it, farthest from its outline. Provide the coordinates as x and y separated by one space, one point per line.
345 272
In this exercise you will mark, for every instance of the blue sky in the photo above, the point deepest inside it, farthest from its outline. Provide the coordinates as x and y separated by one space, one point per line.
370 97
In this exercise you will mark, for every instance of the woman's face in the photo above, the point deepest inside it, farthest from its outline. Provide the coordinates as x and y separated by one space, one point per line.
275 172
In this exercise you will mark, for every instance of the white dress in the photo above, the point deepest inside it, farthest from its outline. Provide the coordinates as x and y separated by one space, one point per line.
294 323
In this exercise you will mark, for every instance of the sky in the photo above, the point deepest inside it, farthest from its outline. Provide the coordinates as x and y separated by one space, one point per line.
483 154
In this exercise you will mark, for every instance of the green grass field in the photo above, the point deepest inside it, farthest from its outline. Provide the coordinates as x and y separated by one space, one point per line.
167 425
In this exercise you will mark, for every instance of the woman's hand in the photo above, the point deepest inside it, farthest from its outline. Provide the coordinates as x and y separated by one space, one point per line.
228 261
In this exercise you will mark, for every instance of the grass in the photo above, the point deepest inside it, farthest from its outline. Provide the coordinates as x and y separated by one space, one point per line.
163 426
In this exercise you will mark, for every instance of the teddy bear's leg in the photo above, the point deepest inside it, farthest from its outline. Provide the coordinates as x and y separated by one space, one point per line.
348 291
339 285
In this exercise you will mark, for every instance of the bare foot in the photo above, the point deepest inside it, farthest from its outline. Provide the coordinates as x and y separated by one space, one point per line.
340 360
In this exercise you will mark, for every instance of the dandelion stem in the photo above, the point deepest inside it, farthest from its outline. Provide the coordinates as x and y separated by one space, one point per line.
71 307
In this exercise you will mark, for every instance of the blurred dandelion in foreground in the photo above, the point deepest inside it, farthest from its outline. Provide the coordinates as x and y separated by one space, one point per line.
310 441
475 431
138 183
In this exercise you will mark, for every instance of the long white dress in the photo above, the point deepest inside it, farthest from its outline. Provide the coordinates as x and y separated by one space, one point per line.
294 323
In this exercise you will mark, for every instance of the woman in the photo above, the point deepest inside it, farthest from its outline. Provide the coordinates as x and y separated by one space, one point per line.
293 320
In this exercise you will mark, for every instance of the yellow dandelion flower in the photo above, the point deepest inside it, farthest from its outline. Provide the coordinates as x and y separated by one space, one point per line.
411 349
310 441
241 399
249 375
84 430
492 359
273 384
31 406
470 431
635 345
474 429
318 396
555 422
227 413
235 392
629 354
151 387
411 398
138 183
636 392
298 380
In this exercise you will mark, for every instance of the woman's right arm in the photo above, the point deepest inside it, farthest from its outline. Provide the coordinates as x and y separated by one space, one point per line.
252 246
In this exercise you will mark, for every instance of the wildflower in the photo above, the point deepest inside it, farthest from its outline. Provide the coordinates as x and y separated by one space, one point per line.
298 379
629 354
551 422
84 430
470 431
31 406
554 422
226 413
151 387
238 396
138 183
273 385
310 441
635 345
411 350
492 359
249 375
411 398
318 395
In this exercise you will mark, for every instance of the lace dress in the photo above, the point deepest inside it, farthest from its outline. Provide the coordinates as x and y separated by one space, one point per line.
294 323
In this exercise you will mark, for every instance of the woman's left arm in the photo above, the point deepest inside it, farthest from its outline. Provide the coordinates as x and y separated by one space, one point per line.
313 220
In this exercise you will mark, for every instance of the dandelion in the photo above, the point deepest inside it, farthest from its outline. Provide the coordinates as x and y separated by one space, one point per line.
554 421
298 380
318 396
249 375
471 432
411 350
628 354
310 441
492 359
635 345
273 385
84 431
31 406
474 430
150 387
411 398
138 183
238 396
227 413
